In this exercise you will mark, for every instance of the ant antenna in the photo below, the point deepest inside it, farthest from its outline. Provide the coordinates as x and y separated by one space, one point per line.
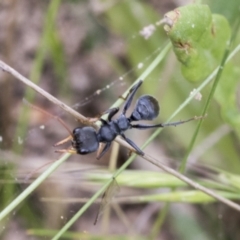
29 175
53 117
48 114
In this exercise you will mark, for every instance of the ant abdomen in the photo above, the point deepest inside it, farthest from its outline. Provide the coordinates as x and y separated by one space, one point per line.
85 140
146 108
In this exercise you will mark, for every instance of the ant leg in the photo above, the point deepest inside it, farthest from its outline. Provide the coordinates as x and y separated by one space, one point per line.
131 143
161 125
48 114
63 141
131 95
111 112
106 147
103 121
71 150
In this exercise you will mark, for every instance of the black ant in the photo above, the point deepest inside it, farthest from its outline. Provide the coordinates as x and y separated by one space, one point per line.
86 139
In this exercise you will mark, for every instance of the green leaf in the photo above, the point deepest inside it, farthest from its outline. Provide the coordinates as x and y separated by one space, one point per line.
199 39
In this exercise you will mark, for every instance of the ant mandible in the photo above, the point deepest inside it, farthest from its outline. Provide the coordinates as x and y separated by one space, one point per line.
86 139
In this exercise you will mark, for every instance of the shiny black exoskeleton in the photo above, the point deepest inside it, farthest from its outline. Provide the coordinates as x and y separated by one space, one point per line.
86 139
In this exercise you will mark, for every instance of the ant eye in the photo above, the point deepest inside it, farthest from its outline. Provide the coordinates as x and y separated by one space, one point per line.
85 140
146 108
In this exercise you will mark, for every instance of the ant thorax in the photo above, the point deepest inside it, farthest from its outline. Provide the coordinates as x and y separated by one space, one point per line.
110 129
108 132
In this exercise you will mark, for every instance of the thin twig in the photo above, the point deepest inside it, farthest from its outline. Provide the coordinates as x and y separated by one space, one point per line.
8 69
192 183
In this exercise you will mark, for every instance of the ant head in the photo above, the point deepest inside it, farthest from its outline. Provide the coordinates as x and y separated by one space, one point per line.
146 108
85 140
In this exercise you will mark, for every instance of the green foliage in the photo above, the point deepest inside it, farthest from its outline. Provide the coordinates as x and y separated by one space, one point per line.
199 39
